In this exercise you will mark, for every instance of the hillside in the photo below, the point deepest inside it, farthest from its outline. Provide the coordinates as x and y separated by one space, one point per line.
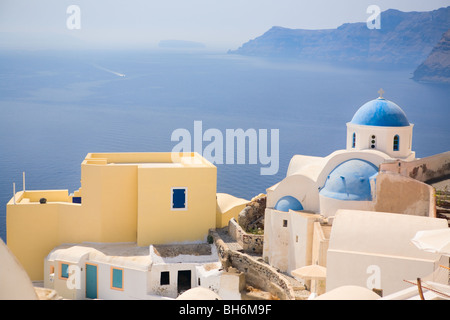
436 68
404 38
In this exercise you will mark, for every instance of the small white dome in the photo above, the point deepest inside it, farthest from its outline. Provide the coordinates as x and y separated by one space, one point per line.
199 293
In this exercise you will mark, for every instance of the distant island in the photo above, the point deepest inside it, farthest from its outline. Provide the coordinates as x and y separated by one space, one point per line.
405 38
184 44
436 68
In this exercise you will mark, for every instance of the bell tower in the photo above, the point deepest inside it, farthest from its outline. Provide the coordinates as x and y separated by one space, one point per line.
381 125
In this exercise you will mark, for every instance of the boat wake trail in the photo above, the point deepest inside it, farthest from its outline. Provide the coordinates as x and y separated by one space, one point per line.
108 70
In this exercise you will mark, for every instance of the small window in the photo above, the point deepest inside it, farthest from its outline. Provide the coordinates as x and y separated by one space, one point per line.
354 140
165 278
116 278
285 223
179 196
396 142
64 271
373 142
76 200
52 269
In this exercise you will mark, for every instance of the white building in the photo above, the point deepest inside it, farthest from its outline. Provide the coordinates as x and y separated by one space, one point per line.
315 188
379 132
178 268
374 250
126 271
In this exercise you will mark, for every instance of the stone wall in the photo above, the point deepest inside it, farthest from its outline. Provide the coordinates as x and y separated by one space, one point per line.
251 218
252 243
257 273
427 169
399 194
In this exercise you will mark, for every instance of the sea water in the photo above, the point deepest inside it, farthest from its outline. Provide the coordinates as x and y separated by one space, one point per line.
58 106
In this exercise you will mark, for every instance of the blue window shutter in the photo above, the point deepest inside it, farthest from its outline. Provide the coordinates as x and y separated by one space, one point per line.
64 270
76 199
178 198
117 279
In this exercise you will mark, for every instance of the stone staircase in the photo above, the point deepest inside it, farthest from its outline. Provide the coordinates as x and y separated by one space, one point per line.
266 282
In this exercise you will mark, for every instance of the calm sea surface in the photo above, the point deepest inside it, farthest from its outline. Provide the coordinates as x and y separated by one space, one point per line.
58 106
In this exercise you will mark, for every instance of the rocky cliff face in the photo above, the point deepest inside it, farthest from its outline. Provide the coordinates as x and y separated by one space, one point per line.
251 218
436 68
404 38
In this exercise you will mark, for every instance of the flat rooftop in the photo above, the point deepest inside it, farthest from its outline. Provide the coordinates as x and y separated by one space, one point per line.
184 253
148 159
120 254
167 250
150 165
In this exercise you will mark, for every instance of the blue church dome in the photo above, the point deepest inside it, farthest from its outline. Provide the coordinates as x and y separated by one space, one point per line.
380 112
350 181
288 202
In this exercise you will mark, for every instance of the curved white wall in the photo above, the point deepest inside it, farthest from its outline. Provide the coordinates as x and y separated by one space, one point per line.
329 206
299 187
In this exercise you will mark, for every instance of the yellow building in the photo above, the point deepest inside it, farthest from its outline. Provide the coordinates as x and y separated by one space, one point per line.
228 207
147 198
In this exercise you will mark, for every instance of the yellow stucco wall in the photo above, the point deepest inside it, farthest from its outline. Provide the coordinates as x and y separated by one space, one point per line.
126 197
228 207
224 218
34 229
157 222
110 195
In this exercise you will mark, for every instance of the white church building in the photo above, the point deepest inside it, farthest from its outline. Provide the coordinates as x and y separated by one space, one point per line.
316 188
379 132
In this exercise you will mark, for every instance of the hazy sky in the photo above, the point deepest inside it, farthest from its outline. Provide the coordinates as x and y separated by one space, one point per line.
218 23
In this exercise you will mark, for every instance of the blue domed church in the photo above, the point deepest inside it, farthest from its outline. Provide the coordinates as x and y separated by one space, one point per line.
379 132
382 125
